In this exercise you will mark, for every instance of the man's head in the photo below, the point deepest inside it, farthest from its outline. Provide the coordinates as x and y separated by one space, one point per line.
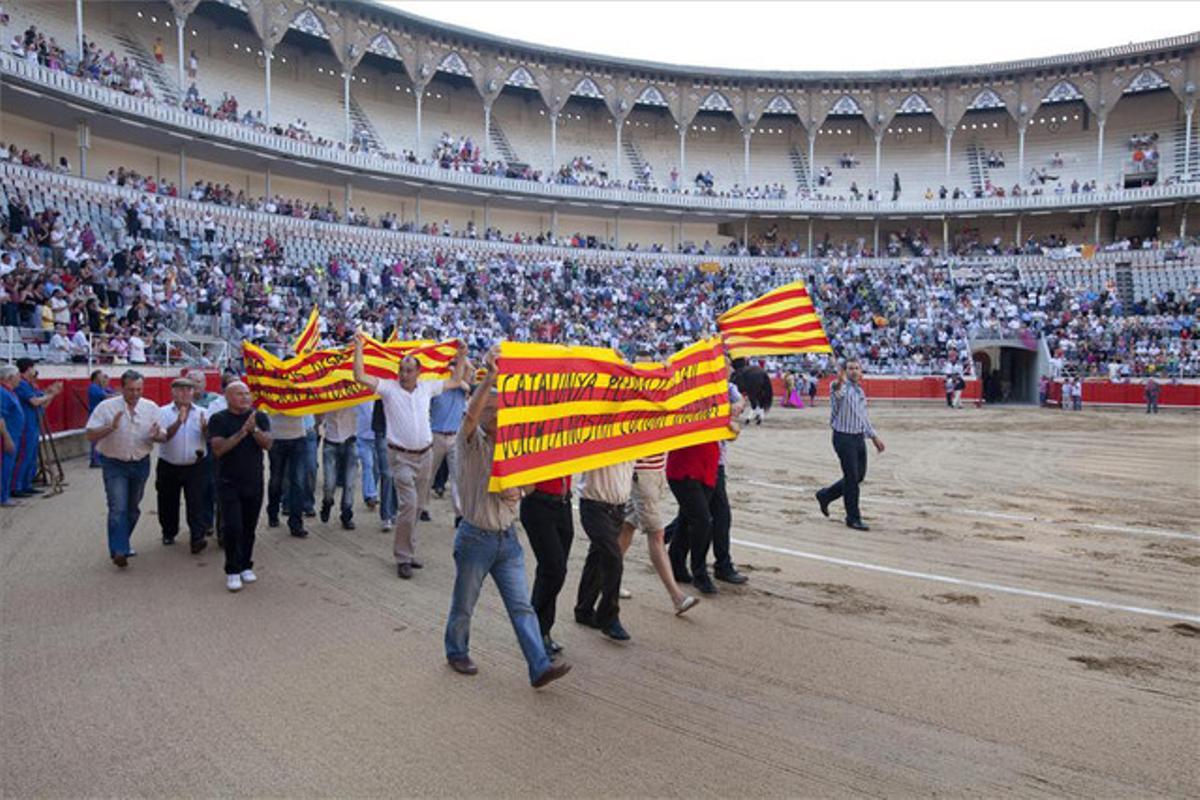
10 376
131 386
237 397
854 371
410 370
99 378
27 367
182 391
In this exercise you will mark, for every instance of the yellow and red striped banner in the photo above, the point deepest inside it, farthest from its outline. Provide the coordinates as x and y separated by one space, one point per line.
323 380
310 336
782 321
564 410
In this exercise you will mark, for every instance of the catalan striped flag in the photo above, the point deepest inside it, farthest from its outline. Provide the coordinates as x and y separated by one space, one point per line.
307 341
782 321
563 410
323 380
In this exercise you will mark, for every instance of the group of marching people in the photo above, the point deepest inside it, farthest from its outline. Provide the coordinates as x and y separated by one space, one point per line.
401 438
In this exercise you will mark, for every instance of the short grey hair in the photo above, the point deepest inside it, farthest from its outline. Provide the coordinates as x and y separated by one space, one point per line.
7 371
130 376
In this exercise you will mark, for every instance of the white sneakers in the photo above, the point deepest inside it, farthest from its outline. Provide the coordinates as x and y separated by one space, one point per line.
388 524
248 576
233 582
625 594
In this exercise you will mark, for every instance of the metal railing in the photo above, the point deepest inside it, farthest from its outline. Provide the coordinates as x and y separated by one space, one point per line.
113 100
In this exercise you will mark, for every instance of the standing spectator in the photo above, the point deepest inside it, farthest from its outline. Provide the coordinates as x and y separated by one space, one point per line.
1077 395
33 400
949 388
239 436
183 441
812 390
125 428
1151 393
193 65
98 392
285 488
486 543
960 384
14 423
339 463
159 52
602 513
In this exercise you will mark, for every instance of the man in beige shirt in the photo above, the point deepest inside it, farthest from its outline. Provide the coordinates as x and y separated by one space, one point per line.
486 543
124 429
602 513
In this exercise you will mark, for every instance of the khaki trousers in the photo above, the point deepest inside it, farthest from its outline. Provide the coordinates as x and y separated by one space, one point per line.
443 447
409 472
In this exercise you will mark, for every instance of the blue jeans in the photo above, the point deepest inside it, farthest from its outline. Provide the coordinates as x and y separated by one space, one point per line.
310 473
387 489
366 458
124 482
478 553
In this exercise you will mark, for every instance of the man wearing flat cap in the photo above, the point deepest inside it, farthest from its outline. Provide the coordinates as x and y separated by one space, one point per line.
183 446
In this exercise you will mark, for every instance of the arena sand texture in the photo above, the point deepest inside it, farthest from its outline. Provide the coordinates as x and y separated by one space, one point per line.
816 679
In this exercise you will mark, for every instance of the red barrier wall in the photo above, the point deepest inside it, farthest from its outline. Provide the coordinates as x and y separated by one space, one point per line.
883 388
68 411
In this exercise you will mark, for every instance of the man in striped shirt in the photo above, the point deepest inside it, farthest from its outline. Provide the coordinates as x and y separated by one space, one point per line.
851 427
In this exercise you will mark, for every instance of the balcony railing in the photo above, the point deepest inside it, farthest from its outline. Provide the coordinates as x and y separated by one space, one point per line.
113 100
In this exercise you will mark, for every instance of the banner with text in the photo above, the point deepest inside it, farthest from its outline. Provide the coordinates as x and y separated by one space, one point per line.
564 410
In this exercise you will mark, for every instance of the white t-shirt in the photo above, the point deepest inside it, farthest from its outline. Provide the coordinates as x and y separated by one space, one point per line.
407 413
137 350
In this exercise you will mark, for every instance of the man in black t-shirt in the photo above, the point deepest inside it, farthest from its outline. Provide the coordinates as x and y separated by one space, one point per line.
239 435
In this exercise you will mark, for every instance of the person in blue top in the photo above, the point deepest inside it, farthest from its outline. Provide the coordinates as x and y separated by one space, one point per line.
33 400
445 417
98 392
14 424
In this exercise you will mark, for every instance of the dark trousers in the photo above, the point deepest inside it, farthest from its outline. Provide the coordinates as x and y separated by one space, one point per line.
694 531
603 566
442 475
169 479
550 529
851 449
286 486
240 506
722 520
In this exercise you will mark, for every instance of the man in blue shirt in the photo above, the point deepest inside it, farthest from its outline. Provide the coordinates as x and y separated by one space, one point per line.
33 400
98 392
365 436
14 424
445 417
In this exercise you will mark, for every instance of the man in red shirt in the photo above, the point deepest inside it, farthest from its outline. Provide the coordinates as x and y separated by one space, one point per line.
692 476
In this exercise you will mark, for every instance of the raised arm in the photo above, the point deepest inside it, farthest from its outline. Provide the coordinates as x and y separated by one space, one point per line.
360 372
458 376
479 397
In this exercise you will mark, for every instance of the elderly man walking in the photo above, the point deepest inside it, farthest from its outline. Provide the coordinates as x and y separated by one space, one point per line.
409 441
183 446
124 429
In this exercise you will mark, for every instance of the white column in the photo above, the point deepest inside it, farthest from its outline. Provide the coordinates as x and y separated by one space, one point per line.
180 24
553 142
746 133
949 137
79 27
875 239
810 236
267 181
349 197
619 123
420 92
268 55
84 135
617 231
1100 161
1021 152
487 129
417 212
878 159
1183 221
183 187
812 167
346 106
945 237
554 222
1018 231
683 179
1187 143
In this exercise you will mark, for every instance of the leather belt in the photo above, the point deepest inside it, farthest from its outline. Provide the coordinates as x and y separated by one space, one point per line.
399 449
553 498
445 433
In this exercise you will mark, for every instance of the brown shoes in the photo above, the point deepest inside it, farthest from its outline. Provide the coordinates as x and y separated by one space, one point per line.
555 672
463 666
120 561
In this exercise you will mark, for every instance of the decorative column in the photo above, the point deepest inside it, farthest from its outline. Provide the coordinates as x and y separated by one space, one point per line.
619 122
487 129
812 167
683 154
1099 159
267 181
79 28
746 133
84 135
1187 139
268 56
1021 152
346 78
180 24
553 142
810 237
878 159
949 138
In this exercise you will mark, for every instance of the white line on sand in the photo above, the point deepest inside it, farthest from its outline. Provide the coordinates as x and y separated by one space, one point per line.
984 585
1195 537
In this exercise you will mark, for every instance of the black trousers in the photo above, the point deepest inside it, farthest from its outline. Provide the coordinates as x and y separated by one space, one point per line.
169 480
693 533
722 521
240 506
550 529
851 449
603 567
286 485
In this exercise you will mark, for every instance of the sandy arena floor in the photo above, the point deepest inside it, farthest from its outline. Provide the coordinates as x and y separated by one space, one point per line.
1023 617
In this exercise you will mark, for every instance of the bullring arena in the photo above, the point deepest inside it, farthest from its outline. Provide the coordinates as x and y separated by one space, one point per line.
188 186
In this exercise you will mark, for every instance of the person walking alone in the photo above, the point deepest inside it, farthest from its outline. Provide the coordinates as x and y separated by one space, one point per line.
851 427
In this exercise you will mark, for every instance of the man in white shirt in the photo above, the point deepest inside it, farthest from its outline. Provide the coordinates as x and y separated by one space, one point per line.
124 428
409 440
183 446
339 462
